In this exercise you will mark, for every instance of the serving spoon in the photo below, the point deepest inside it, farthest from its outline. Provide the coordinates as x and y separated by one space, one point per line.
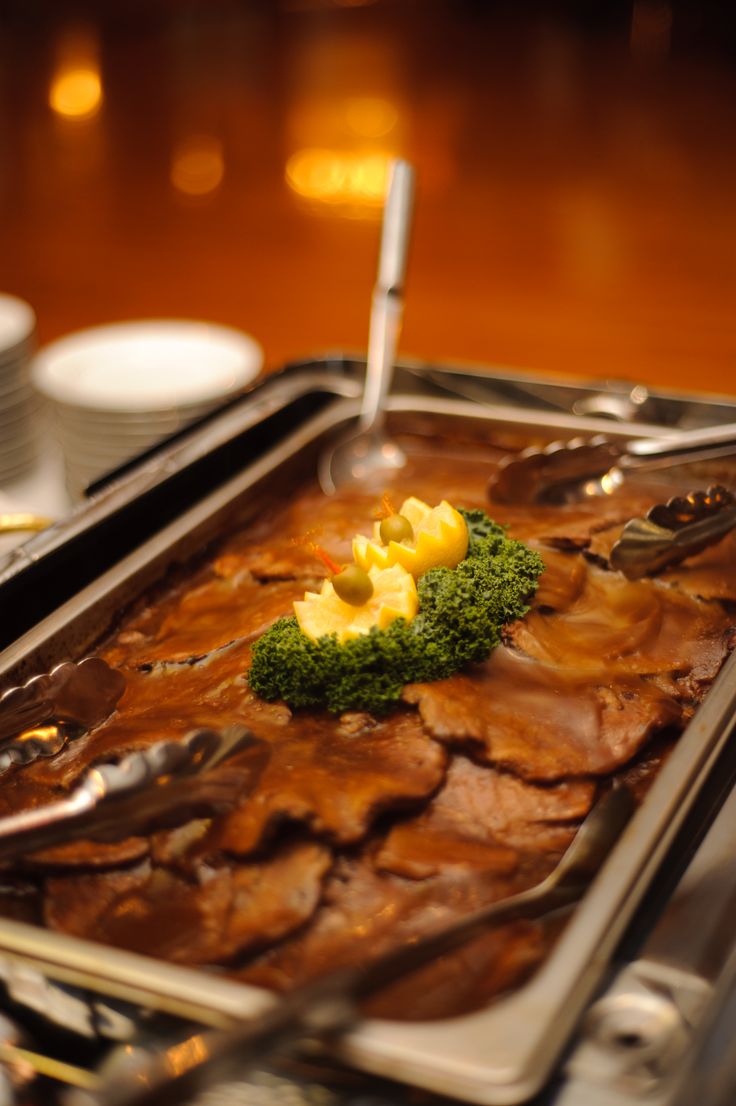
330 1003
369 448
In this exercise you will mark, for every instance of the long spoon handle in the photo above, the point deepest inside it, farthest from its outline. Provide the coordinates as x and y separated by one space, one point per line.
388 304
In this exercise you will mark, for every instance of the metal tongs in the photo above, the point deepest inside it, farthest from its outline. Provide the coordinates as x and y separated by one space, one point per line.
164 785
672 531
39 717
576 470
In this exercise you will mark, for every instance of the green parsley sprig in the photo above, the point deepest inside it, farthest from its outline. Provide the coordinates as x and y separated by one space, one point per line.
461 613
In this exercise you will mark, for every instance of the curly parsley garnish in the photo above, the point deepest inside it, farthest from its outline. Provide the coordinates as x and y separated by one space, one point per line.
461 613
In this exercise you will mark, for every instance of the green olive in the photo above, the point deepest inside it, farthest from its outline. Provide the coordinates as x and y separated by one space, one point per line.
396 528
353 585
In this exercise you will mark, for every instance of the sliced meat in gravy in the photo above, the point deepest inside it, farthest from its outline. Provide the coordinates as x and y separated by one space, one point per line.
542 721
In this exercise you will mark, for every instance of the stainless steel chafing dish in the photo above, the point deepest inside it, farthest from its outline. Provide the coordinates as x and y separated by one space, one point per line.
179 498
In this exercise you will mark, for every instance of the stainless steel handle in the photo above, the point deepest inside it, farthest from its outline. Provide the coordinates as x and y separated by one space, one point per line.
387 305
701 444
396 227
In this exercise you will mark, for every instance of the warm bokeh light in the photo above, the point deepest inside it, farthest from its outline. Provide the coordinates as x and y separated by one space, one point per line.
370 116
198 165
338 177
76 93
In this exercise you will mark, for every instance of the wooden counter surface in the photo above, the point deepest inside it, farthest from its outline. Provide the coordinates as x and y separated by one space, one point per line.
576 205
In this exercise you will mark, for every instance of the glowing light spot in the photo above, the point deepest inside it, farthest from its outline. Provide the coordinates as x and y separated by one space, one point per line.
610 481
334 177
182 1057
197 165
39 733
370 117
76 93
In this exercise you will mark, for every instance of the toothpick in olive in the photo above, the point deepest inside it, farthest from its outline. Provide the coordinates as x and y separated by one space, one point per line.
353 585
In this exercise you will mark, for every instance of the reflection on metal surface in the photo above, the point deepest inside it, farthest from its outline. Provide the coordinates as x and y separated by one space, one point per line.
337 177
79 695
18 521
40 741
197 165
187 1054
24 1064
76 91
610 482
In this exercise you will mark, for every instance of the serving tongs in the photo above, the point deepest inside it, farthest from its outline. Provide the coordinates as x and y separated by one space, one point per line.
39 717
672 531
166 784
564 472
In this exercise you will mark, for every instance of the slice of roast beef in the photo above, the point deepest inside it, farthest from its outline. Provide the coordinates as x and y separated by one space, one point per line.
571 526
88 854
619 627
209 918
366 912
199 622
483 818
542 721
336 775
562 581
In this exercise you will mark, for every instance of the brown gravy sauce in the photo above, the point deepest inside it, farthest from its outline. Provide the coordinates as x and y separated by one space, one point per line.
366 832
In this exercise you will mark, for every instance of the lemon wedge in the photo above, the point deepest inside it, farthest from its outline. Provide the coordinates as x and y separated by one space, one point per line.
324 612
440 538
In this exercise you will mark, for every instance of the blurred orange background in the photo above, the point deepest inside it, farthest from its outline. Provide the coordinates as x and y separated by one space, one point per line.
225 161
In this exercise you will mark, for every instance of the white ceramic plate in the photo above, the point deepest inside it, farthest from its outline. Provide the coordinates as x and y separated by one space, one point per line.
147 365
17 324
92 420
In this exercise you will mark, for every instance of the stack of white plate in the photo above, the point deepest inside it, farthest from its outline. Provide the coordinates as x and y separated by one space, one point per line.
116 390
18 403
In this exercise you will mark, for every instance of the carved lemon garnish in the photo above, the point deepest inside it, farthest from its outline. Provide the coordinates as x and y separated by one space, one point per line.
440 537
324 612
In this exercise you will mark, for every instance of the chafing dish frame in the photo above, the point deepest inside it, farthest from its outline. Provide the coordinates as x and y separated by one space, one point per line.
505 1052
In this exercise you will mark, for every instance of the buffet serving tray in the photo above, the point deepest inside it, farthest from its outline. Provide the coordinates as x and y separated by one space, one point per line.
505 1052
